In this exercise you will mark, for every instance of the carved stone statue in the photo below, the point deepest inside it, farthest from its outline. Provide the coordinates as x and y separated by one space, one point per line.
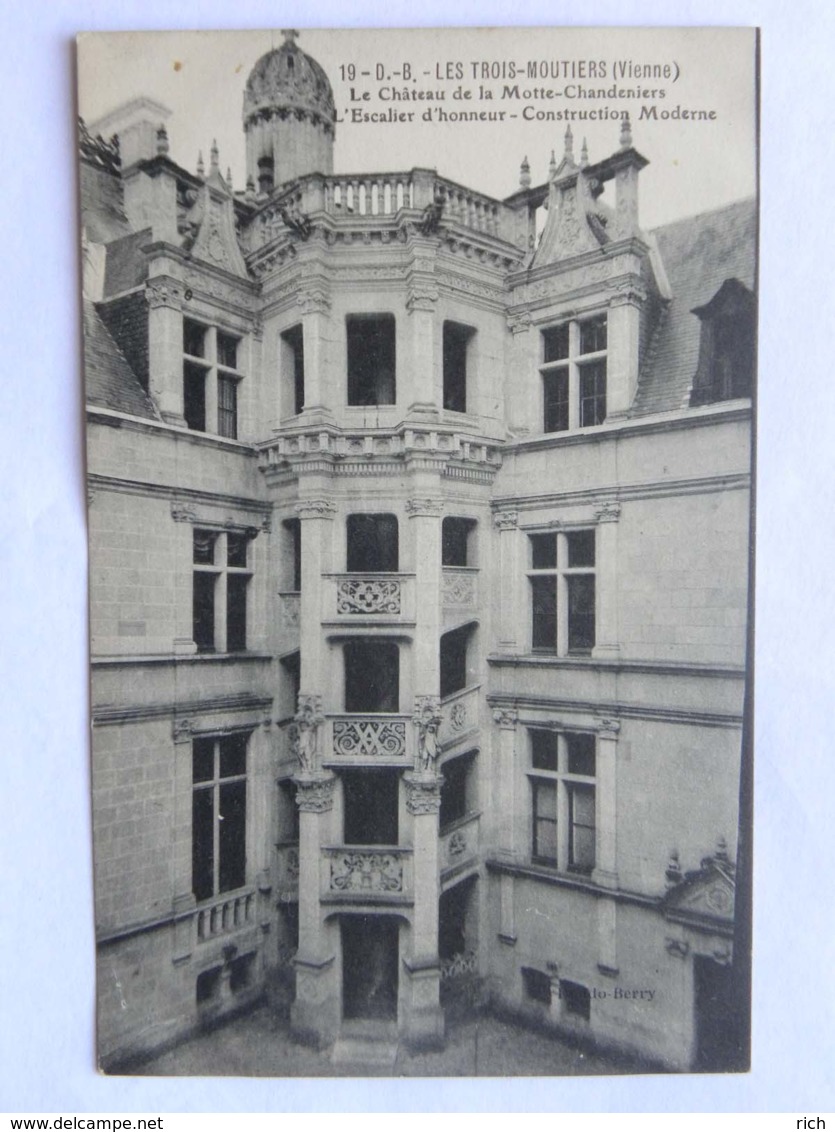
427 719
309 718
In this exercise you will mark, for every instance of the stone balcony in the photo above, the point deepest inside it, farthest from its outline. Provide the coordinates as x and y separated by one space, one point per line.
459 848
369 740
367 874
225 915
381 200
373 599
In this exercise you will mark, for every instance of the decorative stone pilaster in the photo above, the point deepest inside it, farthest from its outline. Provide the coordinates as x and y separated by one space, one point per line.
305 740
510 619
165 295
315 303
522 399
605 871
421 301
607 642
315 1013
623 361
316 515
504 747
423 1017
424 512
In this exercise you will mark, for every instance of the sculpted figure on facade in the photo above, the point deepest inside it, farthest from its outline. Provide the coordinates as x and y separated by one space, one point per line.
427 720
309 719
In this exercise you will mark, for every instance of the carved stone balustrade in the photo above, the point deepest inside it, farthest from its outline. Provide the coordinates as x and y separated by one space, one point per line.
379 597
287 873
368 740
459 846
459 592
367 873
225 915
459 716
459 966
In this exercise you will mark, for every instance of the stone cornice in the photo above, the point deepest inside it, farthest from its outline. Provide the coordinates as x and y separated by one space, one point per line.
607 714
183 500
106 715
601 497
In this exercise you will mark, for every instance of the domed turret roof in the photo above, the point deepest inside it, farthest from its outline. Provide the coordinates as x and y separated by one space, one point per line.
288 79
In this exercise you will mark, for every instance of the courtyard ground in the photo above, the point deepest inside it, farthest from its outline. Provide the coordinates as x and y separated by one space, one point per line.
258 1044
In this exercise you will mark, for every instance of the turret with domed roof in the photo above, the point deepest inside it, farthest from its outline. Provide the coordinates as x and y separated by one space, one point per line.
288 117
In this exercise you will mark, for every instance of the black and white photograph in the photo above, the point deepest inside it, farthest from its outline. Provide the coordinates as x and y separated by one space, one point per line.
419 370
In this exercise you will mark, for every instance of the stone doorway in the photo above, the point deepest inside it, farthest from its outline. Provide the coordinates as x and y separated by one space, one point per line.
370 964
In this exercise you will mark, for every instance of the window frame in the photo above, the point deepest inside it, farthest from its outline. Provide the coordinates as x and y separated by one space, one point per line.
219 409
561 584
214 786
566 406
229 580
562 783
358 387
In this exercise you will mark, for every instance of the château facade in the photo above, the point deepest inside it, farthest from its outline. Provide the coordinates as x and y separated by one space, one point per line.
419 535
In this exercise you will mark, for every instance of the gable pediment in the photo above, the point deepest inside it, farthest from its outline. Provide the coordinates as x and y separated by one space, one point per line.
704 898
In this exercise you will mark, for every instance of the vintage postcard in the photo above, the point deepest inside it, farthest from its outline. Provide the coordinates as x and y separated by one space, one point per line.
419 371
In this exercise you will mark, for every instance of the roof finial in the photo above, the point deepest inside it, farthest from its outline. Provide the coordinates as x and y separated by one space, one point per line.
201 168
552 166
290 36
250 188
214 156
584 155
673 873
162 141
625 132
569 145
229 178
525 174
721 853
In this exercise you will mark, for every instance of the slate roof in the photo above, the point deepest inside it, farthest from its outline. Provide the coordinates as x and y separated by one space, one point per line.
110 381
698 255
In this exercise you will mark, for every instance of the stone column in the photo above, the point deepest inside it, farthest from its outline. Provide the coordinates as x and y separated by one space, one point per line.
508 578
423 1022
315 1013
607 642
605 871
504 798
164 295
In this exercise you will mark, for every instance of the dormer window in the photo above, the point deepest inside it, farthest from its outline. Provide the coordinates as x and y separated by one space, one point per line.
574 374
727 345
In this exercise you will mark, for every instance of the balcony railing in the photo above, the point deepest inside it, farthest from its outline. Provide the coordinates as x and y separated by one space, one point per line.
371 595
369 739
367 871
226 915
460 589
459 715
287 879
363 197
459 843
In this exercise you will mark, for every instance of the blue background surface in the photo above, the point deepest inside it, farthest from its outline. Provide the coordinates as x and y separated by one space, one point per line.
46 946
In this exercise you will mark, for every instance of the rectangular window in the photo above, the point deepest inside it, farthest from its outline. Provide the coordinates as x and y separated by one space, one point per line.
453 660
573 371
227 407
210 379
456 541
576 999
456 348
537 985
372 544
293 351
563 798
371 359
563 592
218 814
370 805
221 577
456 789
